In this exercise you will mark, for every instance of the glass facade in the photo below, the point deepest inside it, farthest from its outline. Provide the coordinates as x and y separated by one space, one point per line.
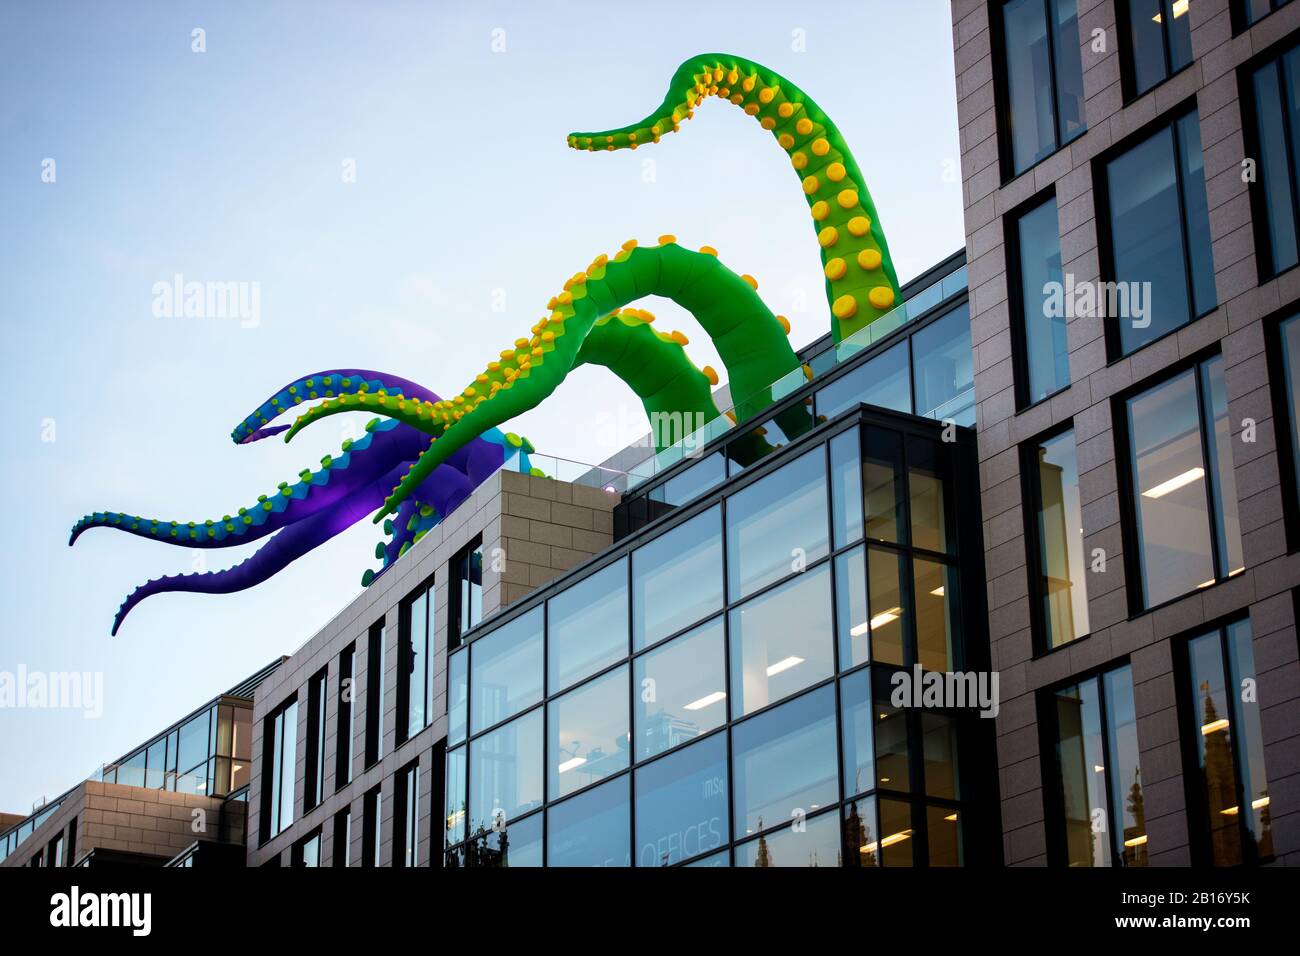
466 592
1183 484
1159 232
1221 719
280 746
1095 778
415 663
1289 413
1043 78
736 720
1052 467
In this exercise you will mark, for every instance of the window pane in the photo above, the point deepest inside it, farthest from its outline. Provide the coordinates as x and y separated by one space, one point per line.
681 690
156 760
860 833
505 773
888 610
194 741
1146 44
592 829
1147 241
457 696
856 721
677 579
1250 738
884 380
695 481
587 627
893 756
944 364
777 525
882 468
1196 209
852 619
935 586
506 671
784 762
939 746
455 805
944 831
1169 478
588 735
1069 70
846 488
896 843
1290 334
1029 82
1276 172
130 772
1062 569
1213 732
286 765
927 475
1180 35
1047 355
817 844
1081 765
414 660
681 804
1218 441
722 859
1125 773
781 641
518 845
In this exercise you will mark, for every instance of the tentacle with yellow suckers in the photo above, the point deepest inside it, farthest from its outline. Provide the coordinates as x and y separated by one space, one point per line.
861 284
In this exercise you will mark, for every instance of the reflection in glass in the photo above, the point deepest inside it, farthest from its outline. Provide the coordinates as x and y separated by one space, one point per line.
1060 539
587 627
1276 107
680 690
455 801
1047 355
861 834
816 844
846 488
777 525
885 380
506 671
897 843
1290 335
935 585
720 859
943 375
685 487
1173 526
457 696
784 762
851 617
882 468
888 610
943 829
681 804
518 844
1125 772
677 579
781 641
588 734
857 739
1032 44
1160 40
893 759
505 773
591 829
1082 768
1223 486
927 470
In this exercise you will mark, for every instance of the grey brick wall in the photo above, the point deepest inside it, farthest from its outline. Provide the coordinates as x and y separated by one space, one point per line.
533 529
1264 589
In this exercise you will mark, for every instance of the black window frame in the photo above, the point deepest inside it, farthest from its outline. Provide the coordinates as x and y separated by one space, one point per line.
1133 575
406 817
457 570
272 781
1266 268
342 850
297 856
372 822
1286 426
314 782
1127 67
408 657
1240 21
344 723
1105 246
376 660
1020 321
1002 93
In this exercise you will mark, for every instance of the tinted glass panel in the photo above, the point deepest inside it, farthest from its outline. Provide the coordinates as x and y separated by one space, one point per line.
897 846
939 748
591 829
1277 169
784 762
1047 355
680 690
781 641
1062 571
856 721
936 586
1125 773
852 619
777 525
927 474
506 670
1196 211
1027 47
193 742
457 696
944 369
505 773
885 380
587 627
944 832
1069 69
882 469
455 804
846 488
677 578
1290 334
886 627
1169 479
681 804
695 481
1223 487
1146 44
588 734
817 843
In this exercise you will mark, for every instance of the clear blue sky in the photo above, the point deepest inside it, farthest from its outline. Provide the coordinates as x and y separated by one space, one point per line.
226 165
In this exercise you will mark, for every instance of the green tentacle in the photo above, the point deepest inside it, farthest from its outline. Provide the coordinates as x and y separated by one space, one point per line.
861 284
